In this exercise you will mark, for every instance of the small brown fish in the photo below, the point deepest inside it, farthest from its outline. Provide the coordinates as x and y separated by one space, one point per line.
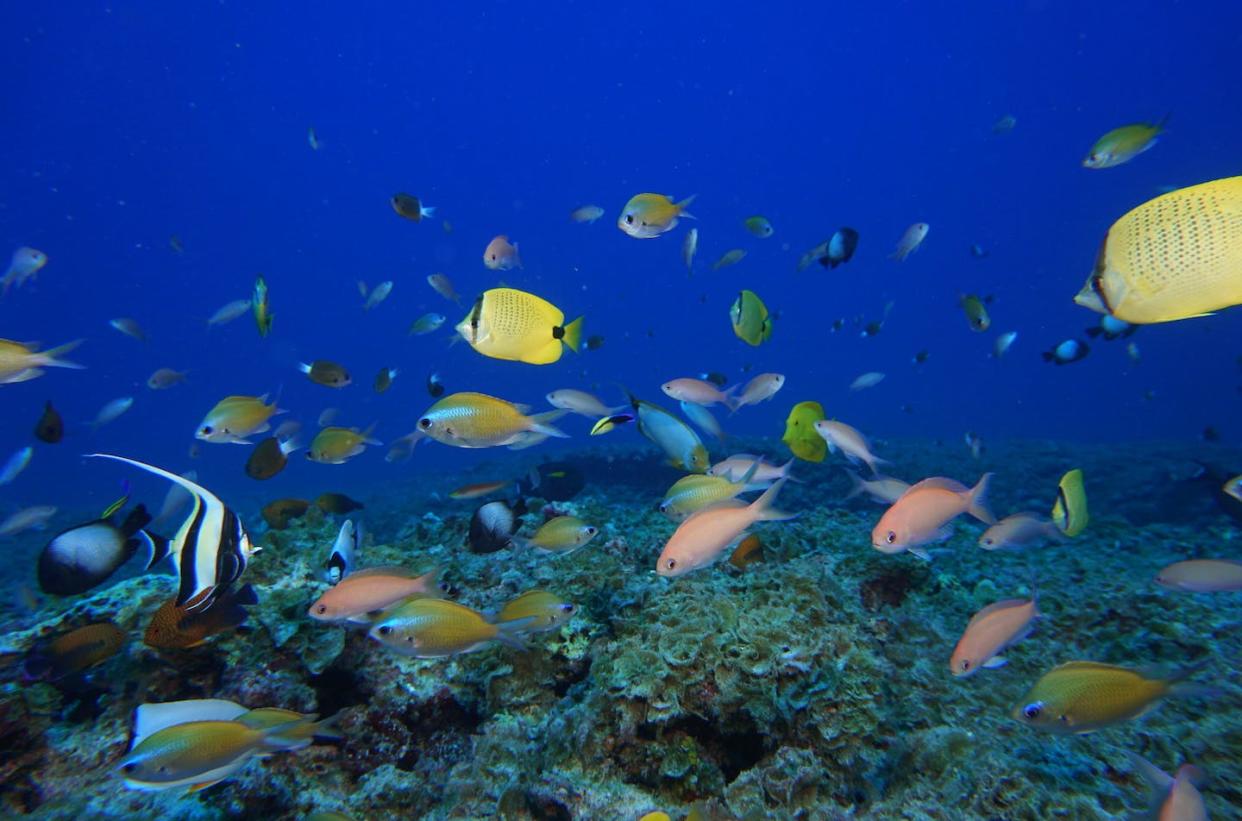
409 206
474 491
50 428
74 651
337 503
172 628
443 286
269 457
280 513
165 378
328 374
383 379
748 551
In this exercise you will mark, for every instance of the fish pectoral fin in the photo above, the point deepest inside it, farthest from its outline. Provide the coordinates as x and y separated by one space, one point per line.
920 552
995 662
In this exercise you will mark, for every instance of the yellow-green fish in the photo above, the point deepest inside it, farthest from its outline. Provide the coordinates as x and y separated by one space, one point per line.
20 362
431 628
692 493
684 447
1083 696
235 418
1123 144
976 311
506 323
562 534
197 754
476 420
759 226
1173 257
751 321
539 610
1069 512
647 216
803 439
334 446
263 315
730 257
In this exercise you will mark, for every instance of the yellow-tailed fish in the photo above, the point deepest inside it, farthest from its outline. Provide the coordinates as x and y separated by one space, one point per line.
683 446
562 534
334 446
263 315
759 226
976 311
20 361
648 215
750 318
538 610
431 628
1069 512
692 493
1083 696
197 754
800 434
506 323
234 418
476 420
1123 144
1174 257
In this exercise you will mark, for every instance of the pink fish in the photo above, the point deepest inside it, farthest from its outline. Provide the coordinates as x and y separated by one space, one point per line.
1174 797
365 591
736 466
1020 530
698 392
501 255
989 632
1202 576
910 241
924 512
705 536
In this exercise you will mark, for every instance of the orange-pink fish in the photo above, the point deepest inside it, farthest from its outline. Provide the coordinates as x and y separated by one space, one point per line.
924 514
989 632
365 591
1173 797
705 536
1202 576
501 255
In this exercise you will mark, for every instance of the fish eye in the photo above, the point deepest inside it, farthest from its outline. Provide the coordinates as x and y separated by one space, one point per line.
989 541
207 429
891 537
591 531
129 768
424 423
965 665
384 631
1032 711
671 564
321 609
629 219
568 608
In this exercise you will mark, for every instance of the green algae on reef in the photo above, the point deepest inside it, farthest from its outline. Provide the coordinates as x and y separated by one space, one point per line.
811 685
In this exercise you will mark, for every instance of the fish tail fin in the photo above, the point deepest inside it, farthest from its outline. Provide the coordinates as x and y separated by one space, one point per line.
541 423
763 505
876 460
730 401
787 467
512 633
571 334
425 211
856 484
327 728
274 739
51 357
303 367
979 500
684 204
1163 122
1157 779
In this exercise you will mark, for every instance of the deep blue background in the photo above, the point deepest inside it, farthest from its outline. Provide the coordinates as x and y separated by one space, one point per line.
125 125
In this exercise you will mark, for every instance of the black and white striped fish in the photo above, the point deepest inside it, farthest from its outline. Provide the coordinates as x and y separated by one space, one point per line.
211 547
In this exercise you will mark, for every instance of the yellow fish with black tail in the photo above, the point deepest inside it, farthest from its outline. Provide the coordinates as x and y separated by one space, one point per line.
1069 512
506 323
263 315
1123 144
751 321
1174 257
800 434
1084 696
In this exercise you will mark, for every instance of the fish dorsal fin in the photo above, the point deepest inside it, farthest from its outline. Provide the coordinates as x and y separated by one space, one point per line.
1083 666
384 570
938 483
1006 604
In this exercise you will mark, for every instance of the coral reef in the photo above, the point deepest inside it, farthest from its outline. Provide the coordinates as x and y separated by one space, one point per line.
811 685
